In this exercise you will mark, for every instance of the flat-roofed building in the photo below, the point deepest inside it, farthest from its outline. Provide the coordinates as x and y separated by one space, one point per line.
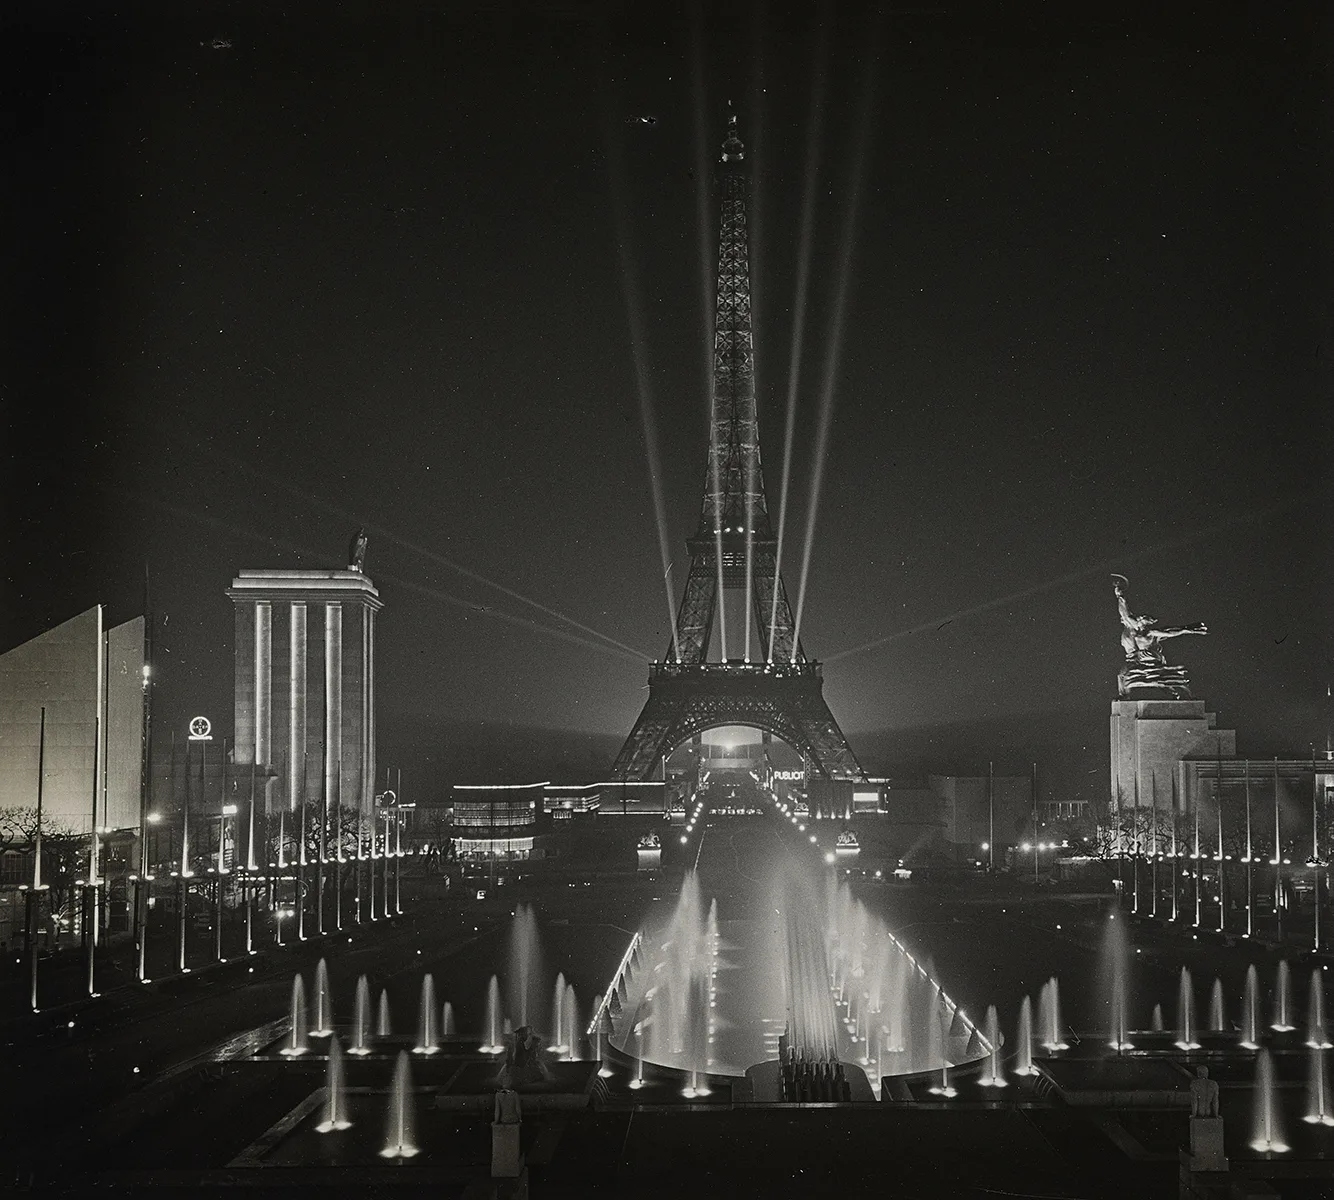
496 820
305 684
562 801
90 681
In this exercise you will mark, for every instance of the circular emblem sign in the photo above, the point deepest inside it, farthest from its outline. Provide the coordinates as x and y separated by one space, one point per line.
200 728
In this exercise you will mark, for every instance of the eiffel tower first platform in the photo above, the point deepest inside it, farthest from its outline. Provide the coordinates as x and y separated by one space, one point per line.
734 548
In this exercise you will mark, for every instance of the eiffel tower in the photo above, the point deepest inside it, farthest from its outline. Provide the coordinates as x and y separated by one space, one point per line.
734 547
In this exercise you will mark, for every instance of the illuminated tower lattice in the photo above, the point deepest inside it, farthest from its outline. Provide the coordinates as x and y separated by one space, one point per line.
734 547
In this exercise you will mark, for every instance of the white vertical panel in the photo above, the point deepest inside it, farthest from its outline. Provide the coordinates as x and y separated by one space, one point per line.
263 681
369 759
333 701
296 708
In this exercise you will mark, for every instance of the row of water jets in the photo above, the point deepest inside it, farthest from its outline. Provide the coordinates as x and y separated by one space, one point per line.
1267 1135
896 1016
1267 1132
434 1021
316 1020
1251 1021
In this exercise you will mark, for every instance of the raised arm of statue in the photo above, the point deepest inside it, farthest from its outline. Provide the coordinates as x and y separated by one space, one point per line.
1174 631
1122 607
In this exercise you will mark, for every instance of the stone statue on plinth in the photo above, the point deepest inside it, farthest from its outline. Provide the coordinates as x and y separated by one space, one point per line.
1146 666
1206 1126
525 1060
356 551
1203 1094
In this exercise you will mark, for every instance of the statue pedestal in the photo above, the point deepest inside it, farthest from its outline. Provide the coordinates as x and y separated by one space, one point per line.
506 1160
1206 1144
1149 738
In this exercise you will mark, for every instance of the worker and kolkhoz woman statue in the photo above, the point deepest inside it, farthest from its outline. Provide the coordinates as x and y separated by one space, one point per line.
1141 638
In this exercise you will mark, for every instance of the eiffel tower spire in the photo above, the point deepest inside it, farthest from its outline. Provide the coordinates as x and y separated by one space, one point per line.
734 545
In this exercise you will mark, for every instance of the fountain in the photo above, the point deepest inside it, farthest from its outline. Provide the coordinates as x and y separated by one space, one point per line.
570 1035
361 1019
493 1043
1250 1014
1282 999
1049 1016
296 1038
525 967
335 1102
1186 1013
1217 1009
944 1087
323 1003
426 1039
382 1025
1114 960
558 1016
896 1004
1025 1052
676 1029
398 1128
993 1074
600 1039
884 987
447 1020
832 976
1316 1035
1267 1133
1317 1090
638 1081
1156 1020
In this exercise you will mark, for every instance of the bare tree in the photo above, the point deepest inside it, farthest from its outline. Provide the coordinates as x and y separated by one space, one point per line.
64 858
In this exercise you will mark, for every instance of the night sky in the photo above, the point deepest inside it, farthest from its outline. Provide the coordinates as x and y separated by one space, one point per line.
273 271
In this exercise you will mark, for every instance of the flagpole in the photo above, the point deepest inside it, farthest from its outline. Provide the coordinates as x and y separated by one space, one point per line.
33 898
1250 860
301 855
222 861
1218 801
1153 846
143 885
1278 858
90 888
250 865
1195 806
1134 853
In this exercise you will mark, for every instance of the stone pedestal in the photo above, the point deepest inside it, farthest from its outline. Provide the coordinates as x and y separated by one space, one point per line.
506 1160
1206 1144
1149 738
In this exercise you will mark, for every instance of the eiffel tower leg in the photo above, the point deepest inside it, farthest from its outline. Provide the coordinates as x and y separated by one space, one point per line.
828 748
774 619
646 745
694 621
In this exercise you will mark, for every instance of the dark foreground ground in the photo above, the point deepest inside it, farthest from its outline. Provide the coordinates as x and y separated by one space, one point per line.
80 1119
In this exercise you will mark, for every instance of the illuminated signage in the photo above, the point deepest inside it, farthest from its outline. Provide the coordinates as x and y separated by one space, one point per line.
201 729
790 776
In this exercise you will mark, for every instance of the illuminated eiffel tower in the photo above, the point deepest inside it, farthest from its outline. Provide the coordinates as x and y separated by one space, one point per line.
780 692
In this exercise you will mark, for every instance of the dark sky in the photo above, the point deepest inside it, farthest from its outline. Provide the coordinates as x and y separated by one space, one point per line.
371 266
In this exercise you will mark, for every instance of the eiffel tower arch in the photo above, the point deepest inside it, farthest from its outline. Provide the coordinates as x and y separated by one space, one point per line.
734 548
